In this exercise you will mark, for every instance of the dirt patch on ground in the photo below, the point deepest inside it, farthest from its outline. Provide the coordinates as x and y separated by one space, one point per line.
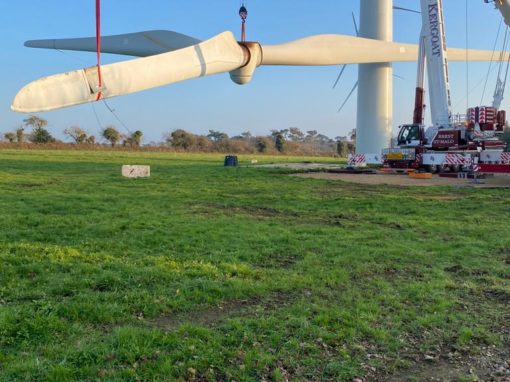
211 316
491 364
499 180
264 212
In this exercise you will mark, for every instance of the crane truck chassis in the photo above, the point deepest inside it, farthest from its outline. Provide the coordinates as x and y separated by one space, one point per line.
448 150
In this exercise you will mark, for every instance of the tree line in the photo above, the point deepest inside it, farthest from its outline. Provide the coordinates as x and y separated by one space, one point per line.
290 141
34 130
286 141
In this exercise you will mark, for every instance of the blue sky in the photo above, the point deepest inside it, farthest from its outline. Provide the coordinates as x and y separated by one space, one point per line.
278 97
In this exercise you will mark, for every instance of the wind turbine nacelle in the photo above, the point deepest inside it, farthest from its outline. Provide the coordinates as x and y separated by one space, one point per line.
253 54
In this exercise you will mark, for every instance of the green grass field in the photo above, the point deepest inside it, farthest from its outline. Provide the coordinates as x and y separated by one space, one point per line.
209 273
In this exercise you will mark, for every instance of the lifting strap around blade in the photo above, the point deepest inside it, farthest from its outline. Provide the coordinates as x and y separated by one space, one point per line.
98 44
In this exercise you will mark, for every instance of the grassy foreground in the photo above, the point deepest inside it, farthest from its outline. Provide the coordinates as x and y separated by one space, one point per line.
210 273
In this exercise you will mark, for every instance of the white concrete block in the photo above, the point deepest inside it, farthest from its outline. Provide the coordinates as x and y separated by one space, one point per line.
136 171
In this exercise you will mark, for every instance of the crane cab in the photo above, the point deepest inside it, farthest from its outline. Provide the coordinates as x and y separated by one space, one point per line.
410 135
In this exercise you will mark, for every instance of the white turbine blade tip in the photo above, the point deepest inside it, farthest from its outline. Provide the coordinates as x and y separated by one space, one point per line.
54 92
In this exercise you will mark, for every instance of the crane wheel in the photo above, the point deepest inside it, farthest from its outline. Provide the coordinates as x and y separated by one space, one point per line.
455 168
432 168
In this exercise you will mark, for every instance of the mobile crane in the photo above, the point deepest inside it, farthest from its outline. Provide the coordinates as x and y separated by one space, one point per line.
472 144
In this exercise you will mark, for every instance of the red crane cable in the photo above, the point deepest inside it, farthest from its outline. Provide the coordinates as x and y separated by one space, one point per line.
98 45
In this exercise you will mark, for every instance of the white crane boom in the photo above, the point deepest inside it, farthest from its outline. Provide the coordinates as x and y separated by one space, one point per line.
437 63
499 91
504 7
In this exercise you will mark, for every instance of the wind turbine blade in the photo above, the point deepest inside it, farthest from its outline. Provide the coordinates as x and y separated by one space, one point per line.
139 44
345 65
217 55
339 76
405 9
342 49
348 96
335 50
355 24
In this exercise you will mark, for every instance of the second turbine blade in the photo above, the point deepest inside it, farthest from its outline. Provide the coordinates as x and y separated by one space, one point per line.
217 55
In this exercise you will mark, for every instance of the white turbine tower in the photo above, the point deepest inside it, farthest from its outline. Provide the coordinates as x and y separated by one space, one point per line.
375 86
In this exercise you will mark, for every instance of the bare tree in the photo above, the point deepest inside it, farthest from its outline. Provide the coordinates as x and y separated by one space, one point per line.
35 122
77 133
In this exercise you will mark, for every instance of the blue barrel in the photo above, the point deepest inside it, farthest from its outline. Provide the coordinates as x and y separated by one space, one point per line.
231 161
